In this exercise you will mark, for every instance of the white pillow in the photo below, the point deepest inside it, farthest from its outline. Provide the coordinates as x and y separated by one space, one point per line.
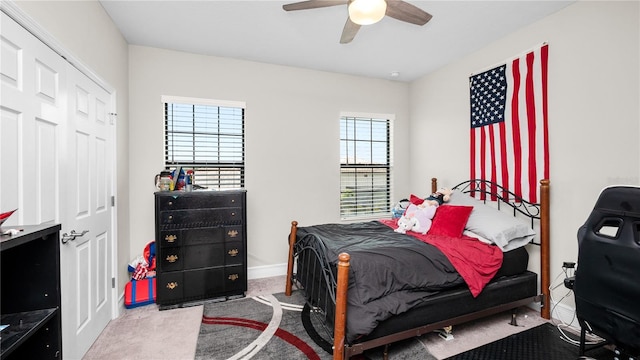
470 233
502 229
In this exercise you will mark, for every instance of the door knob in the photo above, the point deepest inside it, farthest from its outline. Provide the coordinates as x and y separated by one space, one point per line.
72 236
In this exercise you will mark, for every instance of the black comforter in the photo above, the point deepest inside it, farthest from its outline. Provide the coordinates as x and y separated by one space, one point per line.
389 272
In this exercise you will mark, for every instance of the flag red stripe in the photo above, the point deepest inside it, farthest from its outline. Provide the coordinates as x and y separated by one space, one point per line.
531 123
515 128
544 57
503 160
472 174
483 156
492 143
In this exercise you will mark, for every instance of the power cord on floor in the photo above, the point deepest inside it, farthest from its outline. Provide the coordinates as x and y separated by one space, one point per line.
568 270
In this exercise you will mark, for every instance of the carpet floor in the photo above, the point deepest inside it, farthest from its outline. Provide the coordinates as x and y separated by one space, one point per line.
543 342
270 327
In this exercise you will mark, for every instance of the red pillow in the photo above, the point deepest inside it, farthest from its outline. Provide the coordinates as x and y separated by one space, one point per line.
450 220
415 200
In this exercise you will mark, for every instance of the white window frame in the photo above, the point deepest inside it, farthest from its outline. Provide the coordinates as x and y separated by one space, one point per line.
206 180
384 212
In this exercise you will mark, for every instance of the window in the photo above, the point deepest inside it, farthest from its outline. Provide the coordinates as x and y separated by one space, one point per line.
364 166
206 136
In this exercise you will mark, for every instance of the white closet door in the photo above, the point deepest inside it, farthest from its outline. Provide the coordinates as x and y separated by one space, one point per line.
33 105
88 192
56 156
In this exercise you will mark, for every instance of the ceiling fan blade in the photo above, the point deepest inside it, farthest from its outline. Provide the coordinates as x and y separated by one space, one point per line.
312 4
349 32
404 11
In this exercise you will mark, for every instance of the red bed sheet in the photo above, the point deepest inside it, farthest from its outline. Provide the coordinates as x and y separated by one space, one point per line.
474 260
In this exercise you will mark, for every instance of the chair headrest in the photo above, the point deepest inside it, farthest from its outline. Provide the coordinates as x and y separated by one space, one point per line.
620 200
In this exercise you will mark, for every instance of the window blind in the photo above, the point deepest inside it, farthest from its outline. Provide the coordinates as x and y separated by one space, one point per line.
208 139
364 166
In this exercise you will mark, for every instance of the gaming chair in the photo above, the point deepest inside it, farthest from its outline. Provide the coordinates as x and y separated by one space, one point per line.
607 279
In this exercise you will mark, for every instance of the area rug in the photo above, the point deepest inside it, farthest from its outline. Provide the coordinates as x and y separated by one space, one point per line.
543 342
271 327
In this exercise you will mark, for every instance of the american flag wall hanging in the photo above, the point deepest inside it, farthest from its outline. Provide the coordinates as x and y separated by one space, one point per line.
509 124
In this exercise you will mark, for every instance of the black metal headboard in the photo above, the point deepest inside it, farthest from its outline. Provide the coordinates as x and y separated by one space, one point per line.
501 195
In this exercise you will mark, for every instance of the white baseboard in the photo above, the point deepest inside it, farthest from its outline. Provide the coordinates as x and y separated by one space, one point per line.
535 306
564 314
258 272
560 313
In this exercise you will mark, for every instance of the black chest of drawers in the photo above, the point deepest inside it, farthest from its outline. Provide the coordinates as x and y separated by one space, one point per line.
200 246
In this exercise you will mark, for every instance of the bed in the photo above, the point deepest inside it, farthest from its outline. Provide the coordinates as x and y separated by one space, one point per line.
370 286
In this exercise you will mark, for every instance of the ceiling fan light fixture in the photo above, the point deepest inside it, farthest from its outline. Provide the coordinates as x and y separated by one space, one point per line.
367 12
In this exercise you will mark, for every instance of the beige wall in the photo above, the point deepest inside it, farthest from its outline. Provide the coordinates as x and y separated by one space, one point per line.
292 137
594 111
85 30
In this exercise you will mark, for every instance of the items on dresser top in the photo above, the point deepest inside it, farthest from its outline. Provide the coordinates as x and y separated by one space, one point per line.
200 245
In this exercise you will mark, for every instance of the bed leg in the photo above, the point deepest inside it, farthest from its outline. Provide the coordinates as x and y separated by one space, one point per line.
385 352
514 321
434 185
446 333
339 330
292 241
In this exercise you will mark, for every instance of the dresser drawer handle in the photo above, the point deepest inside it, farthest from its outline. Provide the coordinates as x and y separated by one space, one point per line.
170 203
234 277
172 258
233 214
170 238
233 252
232 233
172 285
233 201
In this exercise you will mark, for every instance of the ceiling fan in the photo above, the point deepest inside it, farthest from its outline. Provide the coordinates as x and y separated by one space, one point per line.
366 12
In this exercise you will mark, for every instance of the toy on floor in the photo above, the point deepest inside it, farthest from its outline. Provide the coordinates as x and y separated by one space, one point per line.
144 265
140 292
141 289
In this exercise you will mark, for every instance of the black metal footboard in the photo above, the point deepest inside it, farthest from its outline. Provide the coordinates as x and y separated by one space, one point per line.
316 277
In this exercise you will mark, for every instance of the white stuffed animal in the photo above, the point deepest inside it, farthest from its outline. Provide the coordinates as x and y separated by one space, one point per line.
404 224
416 219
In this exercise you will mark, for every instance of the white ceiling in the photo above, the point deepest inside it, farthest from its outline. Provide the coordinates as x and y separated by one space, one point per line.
262 31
